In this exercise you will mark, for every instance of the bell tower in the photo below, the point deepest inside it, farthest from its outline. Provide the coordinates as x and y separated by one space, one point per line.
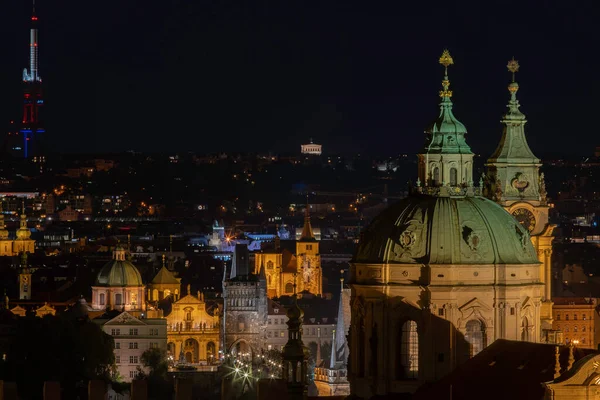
308 259
24 278
446 160
516 183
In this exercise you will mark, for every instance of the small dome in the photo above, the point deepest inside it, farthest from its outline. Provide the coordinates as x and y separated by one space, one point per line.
446 230
119 272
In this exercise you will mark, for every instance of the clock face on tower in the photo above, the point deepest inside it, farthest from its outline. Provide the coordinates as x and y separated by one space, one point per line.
525 218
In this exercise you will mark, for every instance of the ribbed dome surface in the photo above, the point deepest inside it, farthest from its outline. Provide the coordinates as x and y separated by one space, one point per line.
119 273
446 230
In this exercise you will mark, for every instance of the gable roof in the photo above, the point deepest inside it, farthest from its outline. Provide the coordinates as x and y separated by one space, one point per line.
189 299
124 319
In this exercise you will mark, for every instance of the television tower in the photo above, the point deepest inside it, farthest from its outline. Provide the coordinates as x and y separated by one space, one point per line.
31 127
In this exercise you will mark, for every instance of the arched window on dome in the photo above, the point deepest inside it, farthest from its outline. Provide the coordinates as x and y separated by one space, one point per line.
475 335
453 176
436 176
408 353
102 299
118 299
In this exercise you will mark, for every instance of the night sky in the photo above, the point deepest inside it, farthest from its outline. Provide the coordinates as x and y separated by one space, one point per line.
358 76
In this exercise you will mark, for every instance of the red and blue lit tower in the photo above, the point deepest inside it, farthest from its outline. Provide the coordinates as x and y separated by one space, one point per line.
31 127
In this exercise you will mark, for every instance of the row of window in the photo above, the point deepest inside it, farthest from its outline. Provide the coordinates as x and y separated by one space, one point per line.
132 345
575 328
132 359
276 321
132 331
275 333
583 317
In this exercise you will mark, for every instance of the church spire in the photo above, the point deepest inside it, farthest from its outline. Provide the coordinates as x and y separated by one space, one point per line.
307 232
513 168
23 232
446 159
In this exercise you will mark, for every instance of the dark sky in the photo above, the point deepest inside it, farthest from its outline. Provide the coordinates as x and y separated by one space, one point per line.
358 76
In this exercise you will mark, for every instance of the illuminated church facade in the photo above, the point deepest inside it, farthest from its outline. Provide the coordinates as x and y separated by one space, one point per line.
283 269
441 274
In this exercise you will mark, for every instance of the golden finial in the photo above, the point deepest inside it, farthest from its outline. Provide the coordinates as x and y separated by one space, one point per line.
513 66
446 60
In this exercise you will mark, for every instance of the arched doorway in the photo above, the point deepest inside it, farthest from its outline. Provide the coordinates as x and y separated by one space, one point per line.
171 349
191 350
241 349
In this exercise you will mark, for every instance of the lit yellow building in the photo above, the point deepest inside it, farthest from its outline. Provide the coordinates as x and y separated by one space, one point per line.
164 285
193 333
23 241
576 318
281 266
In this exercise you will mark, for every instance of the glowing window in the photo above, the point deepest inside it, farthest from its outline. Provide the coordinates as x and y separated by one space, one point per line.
475 335
409 351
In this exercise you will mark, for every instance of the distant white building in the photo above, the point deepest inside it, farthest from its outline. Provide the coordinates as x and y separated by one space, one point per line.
311 148
133 336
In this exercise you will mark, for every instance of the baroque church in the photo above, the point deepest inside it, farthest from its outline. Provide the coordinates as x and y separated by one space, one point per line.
282 269
22 241
442 274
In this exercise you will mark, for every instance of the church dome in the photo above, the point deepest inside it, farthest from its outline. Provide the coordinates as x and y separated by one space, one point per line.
119 272
446 230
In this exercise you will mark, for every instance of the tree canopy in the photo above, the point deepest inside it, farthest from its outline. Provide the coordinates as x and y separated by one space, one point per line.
57 348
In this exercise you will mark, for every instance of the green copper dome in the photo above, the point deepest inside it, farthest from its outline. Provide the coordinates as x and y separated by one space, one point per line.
445 230
119 272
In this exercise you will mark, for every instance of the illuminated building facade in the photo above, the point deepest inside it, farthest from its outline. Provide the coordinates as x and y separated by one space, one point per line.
193 334
517 184
21 244
133 336
119 285
164 284
311 148
576 319
283 269
32 128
